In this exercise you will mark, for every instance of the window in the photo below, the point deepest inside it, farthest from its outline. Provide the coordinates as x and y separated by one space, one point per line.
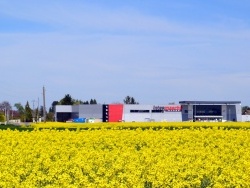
139 111
157 111
207 110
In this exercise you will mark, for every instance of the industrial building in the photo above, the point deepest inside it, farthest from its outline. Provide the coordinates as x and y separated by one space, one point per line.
185 111
211 110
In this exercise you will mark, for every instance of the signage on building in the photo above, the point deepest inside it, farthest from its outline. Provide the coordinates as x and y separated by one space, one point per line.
169 108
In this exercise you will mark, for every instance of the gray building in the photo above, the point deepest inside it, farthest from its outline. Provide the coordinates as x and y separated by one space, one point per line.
211 110
63 112
68 112
185 111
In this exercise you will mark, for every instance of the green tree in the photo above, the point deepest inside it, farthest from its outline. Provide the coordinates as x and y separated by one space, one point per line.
77 102
2 117
28 113
52 108
86 102
129 100
20 110
41 111
36 114
92 101
67 100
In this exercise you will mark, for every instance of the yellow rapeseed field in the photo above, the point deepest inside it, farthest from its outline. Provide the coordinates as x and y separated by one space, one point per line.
116 157
142 124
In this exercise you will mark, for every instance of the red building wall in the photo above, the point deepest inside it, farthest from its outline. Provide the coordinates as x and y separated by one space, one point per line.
115 112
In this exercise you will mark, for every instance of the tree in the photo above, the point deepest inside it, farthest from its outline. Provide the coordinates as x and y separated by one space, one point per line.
77 102
28 113
20 110
36 114
19 107
67 100
52 108
86 102
245 110
2 118
41 111
129 100
92 101
50 116
5 107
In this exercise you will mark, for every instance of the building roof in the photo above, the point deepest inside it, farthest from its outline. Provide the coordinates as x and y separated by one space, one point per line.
209 102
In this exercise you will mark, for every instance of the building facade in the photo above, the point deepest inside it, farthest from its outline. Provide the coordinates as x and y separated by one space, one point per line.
185 111
211 110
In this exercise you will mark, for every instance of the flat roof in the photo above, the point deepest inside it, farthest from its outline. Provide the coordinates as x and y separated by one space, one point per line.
209 102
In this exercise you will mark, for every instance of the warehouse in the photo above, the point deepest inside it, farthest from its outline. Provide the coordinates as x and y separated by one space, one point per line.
119 112
185 111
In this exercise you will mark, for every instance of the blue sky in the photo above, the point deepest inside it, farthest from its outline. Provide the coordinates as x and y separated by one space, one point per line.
155 51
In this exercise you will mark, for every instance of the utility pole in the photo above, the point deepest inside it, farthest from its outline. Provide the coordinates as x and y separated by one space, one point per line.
44 108
33 111
38 109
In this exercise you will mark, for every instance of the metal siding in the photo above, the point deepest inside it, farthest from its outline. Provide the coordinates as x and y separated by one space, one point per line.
142 117
75 111
231 112
224 112
158 117
137 117
184 112
190 112
173 116
90 111
115 112
63 108
105 113
75 108
245 118
238 112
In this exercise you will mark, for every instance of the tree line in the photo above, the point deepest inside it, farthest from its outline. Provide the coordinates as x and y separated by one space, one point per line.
27 114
